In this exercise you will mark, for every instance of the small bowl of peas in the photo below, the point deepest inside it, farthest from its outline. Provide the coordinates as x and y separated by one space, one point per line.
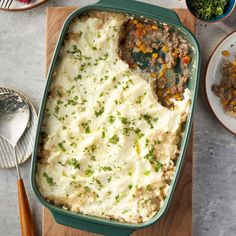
211 10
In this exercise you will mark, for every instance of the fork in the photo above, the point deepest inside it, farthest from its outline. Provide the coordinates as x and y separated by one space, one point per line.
5 4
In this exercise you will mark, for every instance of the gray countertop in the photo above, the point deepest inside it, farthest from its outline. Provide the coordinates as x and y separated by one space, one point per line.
22 66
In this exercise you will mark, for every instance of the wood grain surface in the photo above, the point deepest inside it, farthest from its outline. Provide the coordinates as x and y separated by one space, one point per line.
178 220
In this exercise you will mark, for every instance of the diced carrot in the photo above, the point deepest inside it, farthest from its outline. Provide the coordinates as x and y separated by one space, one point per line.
186 60
155 55
142 48
139 32
225 53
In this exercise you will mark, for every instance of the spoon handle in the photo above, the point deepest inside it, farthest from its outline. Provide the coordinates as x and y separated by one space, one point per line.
26 218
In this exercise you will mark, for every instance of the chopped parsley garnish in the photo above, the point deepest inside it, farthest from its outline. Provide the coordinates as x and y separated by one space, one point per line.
87 130
111 119
74 145
72 102
99 183
130 186
73 177
78 77
138 132
59 93
117 197
114 139
209 9
149 119
147 172
74 162
157 142
86 127
77 54
106 168
125 211
99 112
103 134
109 179
89 172
124 120
140 98
60 163
57 109
86 189
59 102
126 131
49 179
151 157
61 146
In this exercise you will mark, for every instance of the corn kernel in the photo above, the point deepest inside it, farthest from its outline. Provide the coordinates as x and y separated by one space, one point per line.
134 22
154 27
142 48
155 55
225 53
161 74
165 48
154 74
164 66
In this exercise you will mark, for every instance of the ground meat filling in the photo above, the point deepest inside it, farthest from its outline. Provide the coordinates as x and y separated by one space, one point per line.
226 90
161 53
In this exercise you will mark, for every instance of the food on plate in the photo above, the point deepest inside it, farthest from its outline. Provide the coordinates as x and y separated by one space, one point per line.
109 141
226 89
207 9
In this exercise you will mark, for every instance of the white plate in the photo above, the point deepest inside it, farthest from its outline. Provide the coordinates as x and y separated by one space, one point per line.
213 76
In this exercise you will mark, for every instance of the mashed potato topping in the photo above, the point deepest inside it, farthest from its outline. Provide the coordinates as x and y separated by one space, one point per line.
108 146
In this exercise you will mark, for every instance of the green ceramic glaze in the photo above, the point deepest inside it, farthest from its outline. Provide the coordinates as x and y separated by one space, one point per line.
96 224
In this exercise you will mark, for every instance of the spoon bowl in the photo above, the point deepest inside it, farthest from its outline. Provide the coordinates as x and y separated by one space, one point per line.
14 117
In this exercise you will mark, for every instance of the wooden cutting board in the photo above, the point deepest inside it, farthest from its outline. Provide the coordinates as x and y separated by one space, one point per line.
178 220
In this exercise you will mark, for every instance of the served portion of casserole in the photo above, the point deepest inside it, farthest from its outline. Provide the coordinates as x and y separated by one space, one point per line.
226 89
108 146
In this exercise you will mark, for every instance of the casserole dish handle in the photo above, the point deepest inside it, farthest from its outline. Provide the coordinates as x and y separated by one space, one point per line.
142 8
90 226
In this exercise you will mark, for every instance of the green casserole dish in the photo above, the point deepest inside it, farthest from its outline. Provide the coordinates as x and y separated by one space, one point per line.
138 9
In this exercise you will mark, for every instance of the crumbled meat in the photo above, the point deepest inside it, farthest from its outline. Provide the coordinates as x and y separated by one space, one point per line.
163 50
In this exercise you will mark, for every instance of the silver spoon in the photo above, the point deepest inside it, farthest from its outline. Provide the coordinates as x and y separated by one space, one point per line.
14 117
